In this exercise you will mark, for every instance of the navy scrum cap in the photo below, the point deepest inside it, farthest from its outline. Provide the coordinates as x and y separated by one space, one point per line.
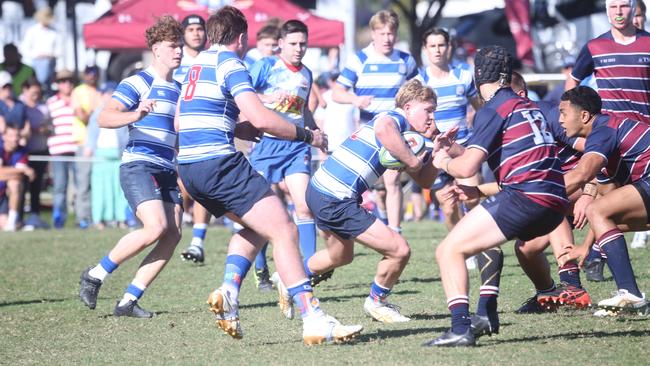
193 19
492 64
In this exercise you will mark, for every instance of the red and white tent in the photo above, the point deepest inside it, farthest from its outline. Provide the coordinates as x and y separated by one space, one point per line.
124 25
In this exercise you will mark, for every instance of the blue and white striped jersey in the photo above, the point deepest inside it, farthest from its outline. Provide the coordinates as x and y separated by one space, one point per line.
208 111
186 62
271 74
354 167
370 73
453 96
153 138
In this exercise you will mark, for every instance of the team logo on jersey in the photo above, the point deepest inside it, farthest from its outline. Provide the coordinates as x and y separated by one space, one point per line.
374 68
160 93
460 90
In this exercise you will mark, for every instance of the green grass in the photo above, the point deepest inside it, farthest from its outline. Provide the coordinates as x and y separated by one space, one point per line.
42 320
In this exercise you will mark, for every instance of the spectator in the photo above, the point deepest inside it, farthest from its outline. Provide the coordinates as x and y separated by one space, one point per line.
85 99
554 95
518 14
38 118
13 16
12 110
42 45
339 120
13 64
106 144
61 143
13 167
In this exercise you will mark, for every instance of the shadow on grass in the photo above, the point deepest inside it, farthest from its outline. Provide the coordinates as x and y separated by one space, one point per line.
363 295
419 280
29 302
577 335
381 334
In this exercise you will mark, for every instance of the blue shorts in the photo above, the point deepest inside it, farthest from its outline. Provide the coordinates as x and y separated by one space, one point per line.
643 186
224 184
275 159
519 217
144 181
344 218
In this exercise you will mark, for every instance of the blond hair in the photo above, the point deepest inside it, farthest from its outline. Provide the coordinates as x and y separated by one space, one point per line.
414 90
384 18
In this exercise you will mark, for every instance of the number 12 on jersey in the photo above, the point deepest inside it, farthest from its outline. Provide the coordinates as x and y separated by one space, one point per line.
540 133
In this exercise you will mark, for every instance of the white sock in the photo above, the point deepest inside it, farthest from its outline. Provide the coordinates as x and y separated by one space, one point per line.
197 242
98 272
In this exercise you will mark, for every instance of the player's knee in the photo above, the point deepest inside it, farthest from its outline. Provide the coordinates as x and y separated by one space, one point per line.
403 251
155 230
594 212
442 252
341 257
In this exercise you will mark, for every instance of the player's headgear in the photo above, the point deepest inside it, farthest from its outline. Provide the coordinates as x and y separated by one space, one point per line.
193 19
492 64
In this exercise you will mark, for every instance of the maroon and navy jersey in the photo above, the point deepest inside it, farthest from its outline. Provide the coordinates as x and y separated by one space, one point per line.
520 150
622 74
624 144
568 155
16 159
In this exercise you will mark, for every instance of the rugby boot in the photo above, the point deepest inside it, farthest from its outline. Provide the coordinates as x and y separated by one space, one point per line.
318 278
565 294
531 306
623 302
285 302
451 339
89 289
594 270
326 329
193 253
263 280
226 312
383 311
481 326
131 309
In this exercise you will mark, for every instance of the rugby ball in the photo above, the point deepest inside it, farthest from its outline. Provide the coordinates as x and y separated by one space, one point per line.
414 140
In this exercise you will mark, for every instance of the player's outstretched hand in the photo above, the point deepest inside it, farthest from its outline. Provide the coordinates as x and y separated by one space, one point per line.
580 210
246 131
445 140
319 140
145 107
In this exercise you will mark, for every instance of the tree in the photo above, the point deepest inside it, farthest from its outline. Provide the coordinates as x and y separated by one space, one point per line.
417 27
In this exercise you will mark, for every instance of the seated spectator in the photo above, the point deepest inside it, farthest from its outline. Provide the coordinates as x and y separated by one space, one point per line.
38 118
14 66
13 167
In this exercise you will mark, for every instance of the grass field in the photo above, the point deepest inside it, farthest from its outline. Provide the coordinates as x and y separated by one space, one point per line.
42 320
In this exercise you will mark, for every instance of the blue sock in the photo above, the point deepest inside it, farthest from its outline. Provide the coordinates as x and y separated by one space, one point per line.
618 260
307 234
303 298
135 291
236 269
108 265
570 273
594 253
460 320
487 304
378 293
306 266
199 230
260 259
381 215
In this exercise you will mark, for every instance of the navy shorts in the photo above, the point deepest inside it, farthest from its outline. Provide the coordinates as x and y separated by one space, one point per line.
4 204
224 184
344 217
519 217
275 159
643 186
144 181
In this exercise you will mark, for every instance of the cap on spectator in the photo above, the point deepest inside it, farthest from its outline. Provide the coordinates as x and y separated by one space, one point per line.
193 19
108 87
568 61
64 75
44 15
91 70
5 79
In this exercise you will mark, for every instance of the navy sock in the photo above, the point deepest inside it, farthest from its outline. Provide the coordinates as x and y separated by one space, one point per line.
570 273
618 260
260 259
594 253
487 304
459 308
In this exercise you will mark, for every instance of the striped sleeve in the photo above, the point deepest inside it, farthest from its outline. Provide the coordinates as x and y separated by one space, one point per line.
584 65
235 77
350 74
260 72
